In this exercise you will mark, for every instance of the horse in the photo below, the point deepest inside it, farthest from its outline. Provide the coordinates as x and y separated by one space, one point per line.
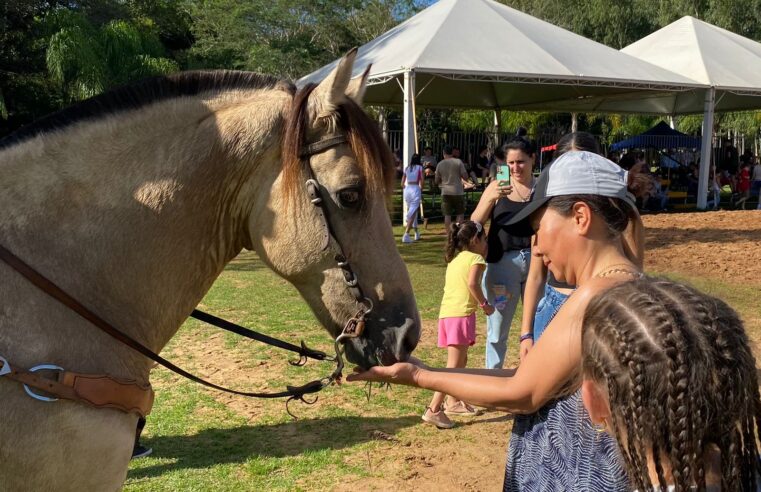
133 202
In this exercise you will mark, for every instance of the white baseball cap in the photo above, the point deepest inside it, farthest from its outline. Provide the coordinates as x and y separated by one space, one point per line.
574 173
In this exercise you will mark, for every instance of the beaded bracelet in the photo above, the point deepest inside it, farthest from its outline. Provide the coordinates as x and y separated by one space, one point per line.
527 336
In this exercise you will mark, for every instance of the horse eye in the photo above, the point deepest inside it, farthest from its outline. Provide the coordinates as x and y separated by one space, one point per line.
349 198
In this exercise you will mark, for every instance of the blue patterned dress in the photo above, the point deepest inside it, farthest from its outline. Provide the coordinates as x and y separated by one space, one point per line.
557 449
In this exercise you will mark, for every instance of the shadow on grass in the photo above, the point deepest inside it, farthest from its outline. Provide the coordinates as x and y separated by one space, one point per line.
235 445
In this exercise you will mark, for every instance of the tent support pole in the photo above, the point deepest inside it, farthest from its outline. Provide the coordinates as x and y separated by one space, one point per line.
574 122
409 138
497 126
672 123
706 149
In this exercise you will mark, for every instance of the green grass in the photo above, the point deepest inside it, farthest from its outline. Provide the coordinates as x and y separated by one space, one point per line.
201 443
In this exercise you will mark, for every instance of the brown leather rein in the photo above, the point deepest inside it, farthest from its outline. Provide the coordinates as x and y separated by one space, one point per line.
128 395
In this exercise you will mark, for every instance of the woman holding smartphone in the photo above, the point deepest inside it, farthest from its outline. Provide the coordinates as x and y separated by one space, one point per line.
509 255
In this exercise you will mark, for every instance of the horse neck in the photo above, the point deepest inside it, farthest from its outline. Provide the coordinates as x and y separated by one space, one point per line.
136 215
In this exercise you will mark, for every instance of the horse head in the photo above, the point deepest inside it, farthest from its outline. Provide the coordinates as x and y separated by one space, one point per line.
330 140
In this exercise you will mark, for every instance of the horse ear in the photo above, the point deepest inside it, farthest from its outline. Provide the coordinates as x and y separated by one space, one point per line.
357 86
332 90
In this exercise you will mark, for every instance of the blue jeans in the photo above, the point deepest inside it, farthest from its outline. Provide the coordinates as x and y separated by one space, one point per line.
547 308
505 279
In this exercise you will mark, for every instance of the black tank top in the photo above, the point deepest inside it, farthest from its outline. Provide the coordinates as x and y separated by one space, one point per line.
499 240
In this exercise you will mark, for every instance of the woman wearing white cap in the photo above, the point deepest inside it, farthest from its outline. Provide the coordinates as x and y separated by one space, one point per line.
577 212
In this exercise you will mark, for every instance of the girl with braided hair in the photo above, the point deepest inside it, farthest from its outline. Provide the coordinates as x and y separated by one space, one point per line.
577 213
669 372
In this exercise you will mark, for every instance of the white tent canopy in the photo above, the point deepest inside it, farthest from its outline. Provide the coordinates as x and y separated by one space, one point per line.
482 54
728 63
710 56
514 61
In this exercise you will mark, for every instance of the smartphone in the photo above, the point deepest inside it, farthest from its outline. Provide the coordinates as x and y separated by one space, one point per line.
503 175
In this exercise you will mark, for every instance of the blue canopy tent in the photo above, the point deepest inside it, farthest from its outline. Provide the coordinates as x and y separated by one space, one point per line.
661 136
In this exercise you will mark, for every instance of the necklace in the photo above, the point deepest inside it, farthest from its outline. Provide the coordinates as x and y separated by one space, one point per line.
530 187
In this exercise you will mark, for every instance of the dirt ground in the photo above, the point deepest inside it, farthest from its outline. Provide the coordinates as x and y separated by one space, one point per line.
724 245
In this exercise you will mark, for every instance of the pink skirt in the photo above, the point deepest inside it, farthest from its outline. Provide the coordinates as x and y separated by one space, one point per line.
459 330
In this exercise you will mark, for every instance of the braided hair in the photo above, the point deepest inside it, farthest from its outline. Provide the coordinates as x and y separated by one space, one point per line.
460 235
680 377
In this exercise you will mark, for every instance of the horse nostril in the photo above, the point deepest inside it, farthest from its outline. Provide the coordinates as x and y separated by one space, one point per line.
408 336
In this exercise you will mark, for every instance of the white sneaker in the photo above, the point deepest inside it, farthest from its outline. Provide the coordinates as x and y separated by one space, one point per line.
417 236
406 239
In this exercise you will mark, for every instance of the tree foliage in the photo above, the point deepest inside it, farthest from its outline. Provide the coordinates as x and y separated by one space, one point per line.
53 52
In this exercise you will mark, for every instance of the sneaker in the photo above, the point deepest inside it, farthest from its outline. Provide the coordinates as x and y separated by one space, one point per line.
417 236
406 239
461 409
439 419
140 451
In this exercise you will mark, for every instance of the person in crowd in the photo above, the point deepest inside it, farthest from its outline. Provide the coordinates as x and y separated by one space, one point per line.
482 163
627 161
728 159
398 163
756 182
466 247
579 209
470 182
450 174
509 254
743 185
138 450
498 159
669 373
692 178
428 160
714 190
412 184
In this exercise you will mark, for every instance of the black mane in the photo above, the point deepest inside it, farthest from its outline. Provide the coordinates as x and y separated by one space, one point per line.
143 93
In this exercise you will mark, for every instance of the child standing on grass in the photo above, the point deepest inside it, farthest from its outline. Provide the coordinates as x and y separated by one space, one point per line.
465 251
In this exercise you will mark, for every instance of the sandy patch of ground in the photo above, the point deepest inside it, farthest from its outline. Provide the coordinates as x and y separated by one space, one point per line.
725 245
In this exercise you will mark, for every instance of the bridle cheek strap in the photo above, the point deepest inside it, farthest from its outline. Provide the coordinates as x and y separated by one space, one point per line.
326 234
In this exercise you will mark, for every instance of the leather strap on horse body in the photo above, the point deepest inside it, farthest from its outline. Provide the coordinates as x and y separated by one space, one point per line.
58 294
97 390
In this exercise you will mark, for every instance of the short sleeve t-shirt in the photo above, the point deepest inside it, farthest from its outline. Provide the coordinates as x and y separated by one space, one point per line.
457 300
449 173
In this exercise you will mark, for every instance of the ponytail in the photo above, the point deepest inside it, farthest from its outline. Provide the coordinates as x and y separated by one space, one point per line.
459 236
453 246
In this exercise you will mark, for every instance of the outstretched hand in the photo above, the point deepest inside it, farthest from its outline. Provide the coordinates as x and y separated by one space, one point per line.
406 373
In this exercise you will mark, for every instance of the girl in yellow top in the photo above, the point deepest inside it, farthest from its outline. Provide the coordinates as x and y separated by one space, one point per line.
466 248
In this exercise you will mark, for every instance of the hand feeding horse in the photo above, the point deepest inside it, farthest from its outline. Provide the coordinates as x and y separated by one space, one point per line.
134 201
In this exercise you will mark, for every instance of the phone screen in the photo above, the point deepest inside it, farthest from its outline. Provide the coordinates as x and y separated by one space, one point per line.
503 174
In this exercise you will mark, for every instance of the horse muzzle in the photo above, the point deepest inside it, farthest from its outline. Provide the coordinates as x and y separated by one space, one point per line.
383 345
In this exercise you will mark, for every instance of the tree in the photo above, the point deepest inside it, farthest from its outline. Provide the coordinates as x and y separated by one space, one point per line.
286 37
86 59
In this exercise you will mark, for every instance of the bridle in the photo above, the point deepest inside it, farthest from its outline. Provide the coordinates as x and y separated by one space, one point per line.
133 397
